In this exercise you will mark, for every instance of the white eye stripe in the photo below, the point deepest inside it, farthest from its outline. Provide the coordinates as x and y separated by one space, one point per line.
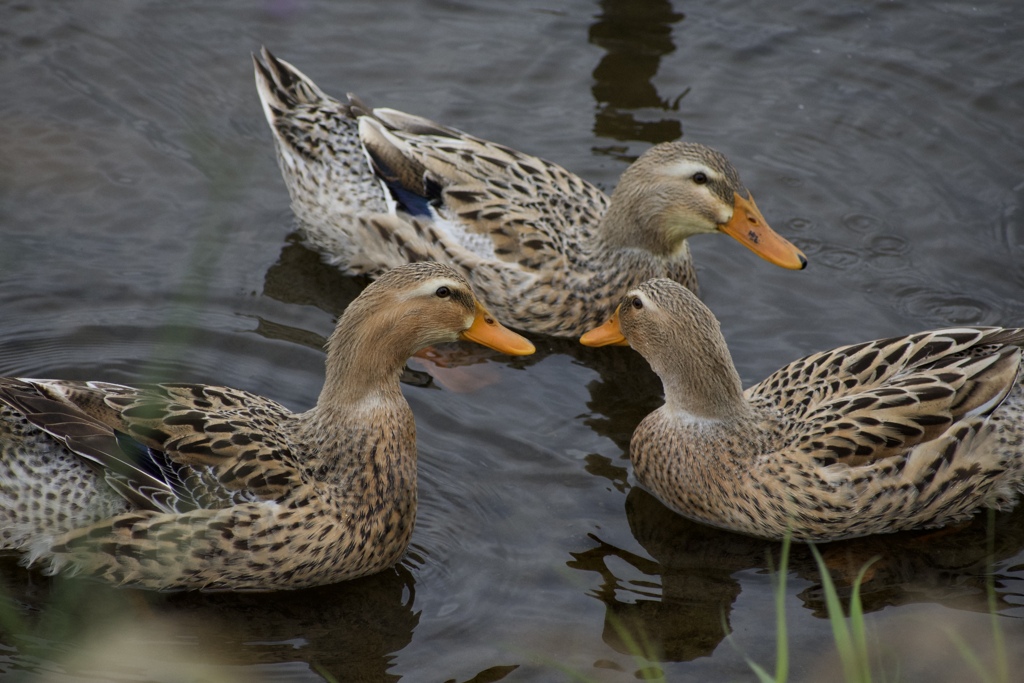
686 169
637 294
430 287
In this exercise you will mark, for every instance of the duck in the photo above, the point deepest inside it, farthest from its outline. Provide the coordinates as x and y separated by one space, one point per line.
547 251
201 487
911 432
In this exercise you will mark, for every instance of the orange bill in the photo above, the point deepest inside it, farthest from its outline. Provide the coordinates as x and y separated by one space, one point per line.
492 334
748 227
608 334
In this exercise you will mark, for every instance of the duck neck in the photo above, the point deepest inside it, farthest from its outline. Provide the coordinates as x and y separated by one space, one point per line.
360 446
707 388
630 226
359 369
361 392
639 218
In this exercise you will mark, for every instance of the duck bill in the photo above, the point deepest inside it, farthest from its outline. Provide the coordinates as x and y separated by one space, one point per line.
608 334
748 227
489 332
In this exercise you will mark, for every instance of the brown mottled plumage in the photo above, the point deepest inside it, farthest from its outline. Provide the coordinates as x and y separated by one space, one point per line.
547 251
189 486
903 433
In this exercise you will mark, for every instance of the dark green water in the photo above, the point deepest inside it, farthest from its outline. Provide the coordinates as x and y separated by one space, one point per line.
145 234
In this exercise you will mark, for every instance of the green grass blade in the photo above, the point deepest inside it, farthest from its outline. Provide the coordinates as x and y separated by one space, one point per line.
10 620
857 628
852 671
969 656
643 650
998 643
781 637
762 675
781 632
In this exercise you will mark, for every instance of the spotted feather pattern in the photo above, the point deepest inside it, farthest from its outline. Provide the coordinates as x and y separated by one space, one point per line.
903 433
188 486
200 470
375 188
864 402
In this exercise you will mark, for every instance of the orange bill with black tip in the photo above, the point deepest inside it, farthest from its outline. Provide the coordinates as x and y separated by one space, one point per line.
489 332
748 227
608 334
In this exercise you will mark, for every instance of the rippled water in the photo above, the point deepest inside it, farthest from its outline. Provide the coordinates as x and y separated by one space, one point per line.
145 234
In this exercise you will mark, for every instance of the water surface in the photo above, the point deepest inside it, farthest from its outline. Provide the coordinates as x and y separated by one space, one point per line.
145 234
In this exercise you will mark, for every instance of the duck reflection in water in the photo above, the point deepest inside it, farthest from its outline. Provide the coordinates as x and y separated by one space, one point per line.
635 36
680 598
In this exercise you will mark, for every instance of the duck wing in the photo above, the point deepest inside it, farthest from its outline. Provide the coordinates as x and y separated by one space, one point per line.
166 447
863 403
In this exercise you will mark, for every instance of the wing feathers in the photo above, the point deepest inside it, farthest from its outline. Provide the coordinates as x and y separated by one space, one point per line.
170 448
879 399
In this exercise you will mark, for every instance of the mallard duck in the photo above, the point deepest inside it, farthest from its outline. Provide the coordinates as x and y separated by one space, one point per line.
547 251
896 434
190 486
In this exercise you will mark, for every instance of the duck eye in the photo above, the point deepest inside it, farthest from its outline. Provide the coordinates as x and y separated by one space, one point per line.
700 177
637 302
443 292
